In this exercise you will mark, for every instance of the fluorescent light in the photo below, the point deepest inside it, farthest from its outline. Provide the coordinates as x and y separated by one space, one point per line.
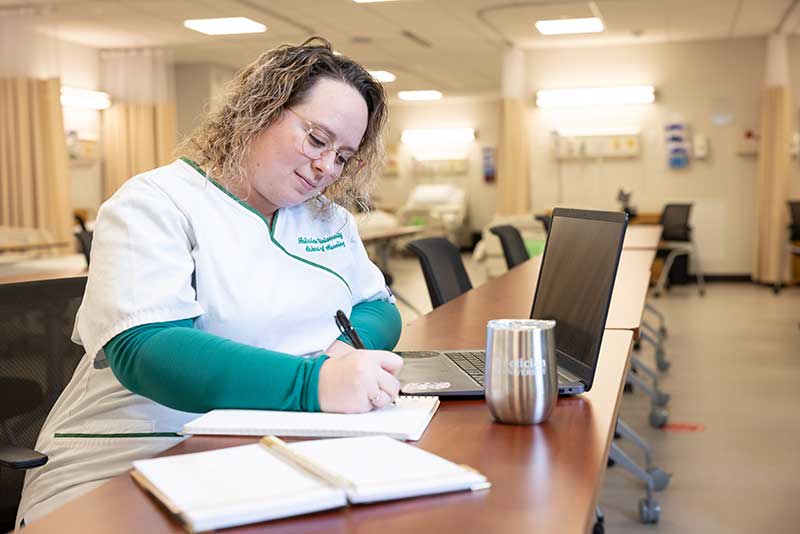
225 26
72 97
595 96
383 76
419 95
427 136
565 26
595 132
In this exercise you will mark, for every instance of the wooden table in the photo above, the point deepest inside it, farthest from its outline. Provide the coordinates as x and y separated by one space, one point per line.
630 290
40 276
29 247
545 477
643 236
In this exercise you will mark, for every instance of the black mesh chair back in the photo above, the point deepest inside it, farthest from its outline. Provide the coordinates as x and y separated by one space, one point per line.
442 267
794 226
84 238
513 245
545 220
37 360
675 220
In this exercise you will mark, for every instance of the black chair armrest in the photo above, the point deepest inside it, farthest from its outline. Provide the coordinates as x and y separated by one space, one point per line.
20 458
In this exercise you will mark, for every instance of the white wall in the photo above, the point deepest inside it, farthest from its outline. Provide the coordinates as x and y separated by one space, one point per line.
481 114
693 81
198 86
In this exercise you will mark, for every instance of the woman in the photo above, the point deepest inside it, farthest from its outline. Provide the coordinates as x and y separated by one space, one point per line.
215 279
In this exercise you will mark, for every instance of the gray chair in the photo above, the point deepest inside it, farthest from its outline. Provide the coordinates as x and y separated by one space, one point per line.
677 238
513 245
84 238
442 268
36 361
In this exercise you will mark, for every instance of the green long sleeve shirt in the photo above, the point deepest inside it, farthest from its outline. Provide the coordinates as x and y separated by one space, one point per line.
187 369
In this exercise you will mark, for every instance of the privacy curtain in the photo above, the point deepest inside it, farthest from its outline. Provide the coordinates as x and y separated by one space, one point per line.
34 186
772 186
513 181
139 127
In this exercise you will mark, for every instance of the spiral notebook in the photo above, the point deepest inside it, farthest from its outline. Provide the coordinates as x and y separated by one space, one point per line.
406 419
270 479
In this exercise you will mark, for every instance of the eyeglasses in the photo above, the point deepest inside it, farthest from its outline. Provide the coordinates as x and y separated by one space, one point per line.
317 143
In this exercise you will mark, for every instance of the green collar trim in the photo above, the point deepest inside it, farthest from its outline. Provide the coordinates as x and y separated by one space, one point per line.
128 435
219 186
270 227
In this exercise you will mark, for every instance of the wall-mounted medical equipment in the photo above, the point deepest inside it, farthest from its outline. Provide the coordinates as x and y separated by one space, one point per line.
597 143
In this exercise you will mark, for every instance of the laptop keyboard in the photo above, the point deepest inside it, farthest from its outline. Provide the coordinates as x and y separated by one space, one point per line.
473 363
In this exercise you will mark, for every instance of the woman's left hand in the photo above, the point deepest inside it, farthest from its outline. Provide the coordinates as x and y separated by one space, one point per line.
338 349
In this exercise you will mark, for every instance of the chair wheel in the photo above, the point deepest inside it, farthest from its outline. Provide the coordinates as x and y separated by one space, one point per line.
662 399
776 289
659 477
599 527
662 364
658 417
702 292
649 511
656 294
663 331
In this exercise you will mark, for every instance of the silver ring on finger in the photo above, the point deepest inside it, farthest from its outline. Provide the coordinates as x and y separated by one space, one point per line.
375 398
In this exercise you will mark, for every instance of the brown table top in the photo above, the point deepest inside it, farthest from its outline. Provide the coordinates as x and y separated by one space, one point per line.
368 236
39 276
26 247
642 236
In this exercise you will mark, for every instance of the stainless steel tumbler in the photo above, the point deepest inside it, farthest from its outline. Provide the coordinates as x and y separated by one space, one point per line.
521 370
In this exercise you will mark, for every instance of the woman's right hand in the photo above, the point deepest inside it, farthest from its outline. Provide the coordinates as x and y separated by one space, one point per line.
359 381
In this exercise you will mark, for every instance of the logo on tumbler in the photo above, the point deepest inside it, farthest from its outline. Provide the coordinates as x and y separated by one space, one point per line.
527 367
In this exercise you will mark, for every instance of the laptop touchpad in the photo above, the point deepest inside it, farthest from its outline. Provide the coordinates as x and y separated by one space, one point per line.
423 367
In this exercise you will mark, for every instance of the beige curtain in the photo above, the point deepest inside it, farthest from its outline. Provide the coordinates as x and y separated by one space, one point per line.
772 188
136 137
34 187
513 181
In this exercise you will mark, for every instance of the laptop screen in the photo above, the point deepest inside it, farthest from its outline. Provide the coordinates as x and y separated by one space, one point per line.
575 283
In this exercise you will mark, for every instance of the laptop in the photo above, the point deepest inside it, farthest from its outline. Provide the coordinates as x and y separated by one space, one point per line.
576 279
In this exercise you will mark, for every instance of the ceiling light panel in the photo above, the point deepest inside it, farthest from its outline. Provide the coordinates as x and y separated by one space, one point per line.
419 95
225 26
569 26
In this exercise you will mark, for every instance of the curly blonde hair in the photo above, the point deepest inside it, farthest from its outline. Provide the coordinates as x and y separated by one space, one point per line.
257 97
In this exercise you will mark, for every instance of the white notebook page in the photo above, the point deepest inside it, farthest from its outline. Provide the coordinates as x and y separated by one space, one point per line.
220 487
407 419
386 468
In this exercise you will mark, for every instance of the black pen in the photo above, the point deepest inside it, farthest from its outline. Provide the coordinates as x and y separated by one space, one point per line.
347 329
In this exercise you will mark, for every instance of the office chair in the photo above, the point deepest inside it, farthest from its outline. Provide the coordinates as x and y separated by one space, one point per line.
545 220
513 246
84 238
677 235
791 249
442 267
36 361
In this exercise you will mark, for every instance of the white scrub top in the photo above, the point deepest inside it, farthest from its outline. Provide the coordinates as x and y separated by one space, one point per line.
169 245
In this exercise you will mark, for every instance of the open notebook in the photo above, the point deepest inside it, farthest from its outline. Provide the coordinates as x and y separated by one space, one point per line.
406 419
271 480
